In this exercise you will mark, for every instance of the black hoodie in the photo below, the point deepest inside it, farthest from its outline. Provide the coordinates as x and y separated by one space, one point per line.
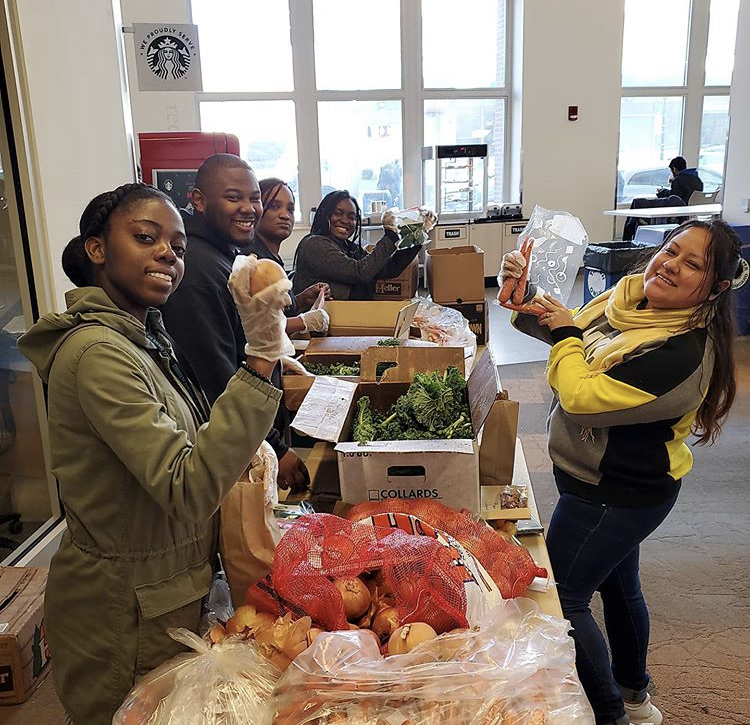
201 318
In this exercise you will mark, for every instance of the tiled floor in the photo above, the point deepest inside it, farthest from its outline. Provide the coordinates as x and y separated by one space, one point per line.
694 567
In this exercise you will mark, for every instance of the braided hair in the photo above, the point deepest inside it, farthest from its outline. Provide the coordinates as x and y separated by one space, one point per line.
321 223
94 222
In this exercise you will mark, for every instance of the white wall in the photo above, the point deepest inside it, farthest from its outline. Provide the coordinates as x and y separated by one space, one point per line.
737 178
78 102
572 56
157 111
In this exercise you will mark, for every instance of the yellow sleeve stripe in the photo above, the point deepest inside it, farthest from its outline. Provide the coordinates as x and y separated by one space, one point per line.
582 392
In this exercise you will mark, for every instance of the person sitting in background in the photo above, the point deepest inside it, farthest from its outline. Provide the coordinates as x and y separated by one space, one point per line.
332 252
201 315
683 182
274 226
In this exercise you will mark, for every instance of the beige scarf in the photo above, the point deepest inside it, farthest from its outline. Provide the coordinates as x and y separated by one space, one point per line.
637 327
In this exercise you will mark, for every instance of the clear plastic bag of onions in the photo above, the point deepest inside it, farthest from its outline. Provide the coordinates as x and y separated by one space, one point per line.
225 684
517 668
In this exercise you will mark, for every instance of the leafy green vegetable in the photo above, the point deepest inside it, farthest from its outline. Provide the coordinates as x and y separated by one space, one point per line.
389 342
332 369
433 407
411 234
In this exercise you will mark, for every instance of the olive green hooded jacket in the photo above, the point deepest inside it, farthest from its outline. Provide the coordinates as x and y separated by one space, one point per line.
141 480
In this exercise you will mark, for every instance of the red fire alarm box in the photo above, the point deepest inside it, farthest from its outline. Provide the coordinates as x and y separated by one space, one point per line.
169 160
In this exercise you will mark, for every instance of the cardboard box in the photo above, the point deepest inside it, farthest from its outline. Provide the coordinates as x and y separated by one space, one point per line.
403 287
24 655
412 356
478 316
445 470
456 275
354 317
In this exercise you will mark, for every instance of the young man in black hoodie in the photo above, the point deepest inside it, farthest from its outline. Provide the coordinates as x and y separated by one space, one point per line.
684 181
200 315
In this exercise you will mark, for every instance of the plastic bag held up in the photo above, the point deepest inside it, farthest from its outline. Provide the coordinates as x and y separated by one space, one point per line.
552 243
262 314
227 684
413 225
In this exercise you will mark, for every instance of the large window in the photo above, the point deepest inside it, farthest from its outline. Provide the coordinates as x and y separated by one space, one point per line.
677 61
332 94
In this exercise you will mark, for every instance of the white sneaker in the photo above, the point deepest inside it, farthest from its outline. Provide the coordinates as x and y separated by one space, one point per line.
643 713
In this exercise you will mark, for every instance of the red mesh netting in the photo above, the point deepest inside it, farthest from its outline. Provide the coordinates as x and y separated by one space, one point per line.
424 575
510 566
421 573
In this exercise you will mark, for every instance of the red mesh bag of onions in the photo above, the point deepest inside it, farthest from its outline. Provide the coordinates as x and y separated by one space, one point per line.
510 566
426 572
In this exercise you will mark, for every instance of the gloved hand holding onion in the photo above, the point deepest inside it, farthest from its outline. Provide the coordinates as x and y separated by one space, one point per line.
260 290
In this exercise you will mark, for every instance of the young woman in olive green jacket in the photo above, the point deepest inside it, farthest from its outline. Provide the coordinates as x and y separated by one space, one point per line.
142 463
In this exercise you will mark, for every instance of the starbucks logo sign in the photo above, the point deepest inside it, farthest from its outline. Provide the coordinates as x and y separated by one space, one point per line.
168 57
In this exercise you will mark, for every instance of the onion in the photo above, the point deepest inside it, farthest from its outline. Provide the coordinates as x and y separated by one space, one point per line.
312 633
217 633
385 622
355 595
266 273
406 638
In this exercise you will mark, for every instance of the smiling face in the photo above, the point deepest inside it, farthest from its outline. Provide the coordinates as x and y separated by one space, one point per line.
680 274
343 220
277 221
230 203
138 261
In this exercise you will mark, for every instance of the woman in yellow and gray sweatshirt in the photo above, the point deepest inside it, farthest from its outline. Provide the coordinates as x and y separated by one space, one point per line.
634 373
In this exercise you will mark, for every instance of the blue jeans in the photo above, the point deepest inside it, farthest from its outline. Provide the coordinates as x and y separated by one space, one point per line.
594 547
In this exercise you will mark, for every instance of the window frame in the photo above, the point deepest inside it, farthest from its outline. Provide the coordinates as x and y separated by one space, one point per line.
412 95
693 91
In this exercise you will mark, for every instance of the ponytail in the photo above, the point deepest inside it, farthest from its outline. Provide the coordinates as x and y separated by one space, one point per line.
76 263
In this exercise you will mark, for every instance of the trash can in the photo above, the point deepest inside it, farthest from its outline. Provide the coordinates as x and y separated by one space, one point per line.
741 284
605 263
653 234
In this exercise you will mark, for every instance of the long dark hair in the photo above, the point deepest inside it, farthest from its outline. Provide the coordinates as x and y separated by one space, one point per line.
94 222
321 223
269 190
723 253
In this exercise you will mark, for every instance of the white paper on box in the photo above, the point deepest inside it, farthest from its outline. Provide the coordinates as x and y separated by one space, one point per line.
323 412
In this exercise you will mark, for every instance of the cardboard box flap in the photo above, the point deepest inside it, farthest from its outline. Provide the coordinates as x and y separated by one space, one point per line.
455 251
460 445
360 313
484 389
404 320
352 346
409 360
13 580
324 412
18 588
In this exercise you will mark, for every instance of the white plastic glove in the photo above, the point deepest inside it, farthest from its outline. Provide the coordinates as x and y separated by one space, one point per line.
265 468
262 315
315 320
429 216
389 220
512 265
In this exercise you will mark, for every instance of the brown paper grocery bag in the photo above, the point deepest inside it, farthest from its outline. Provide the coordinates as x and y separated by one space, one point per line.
497 449
249 532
